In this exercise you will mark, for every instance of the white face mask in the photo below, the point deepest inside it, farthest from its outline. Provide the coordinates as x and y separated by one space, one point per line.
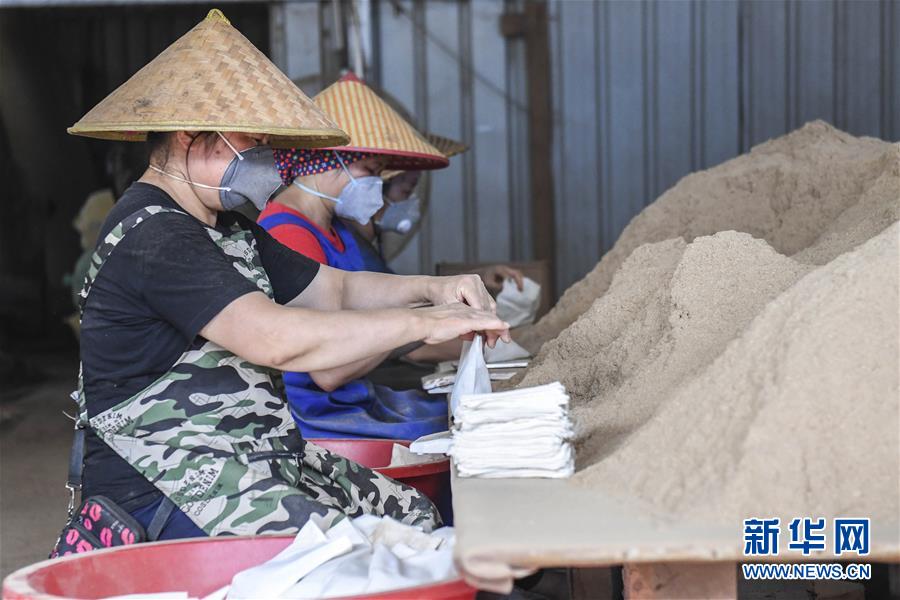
401 216
359 200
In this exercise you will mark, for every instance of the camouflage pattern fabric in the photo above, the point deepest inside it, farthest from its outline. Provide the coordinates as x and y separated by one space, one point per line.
214 435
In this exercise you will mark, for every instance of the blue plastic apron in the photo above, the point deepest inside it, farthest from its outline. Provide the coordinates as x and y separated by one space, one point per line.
358 409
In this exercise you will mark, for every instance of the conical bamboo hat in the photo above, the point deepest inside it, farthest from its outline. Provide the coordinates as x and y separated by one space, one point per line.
211 79
376 127
448 146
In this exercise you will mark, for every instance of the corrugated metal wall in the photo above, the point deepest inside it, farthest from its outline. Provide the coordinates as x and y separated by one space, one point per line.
644 92
447 62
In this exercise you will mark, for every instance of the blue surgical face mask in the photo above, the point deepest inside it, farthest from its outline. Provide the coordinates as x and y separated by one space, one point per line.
359 200
400 217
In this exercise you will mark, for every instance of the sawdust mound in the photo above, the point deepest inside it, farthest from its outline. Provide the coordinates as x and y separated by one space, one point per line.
814 193
743 359
797 416
670 311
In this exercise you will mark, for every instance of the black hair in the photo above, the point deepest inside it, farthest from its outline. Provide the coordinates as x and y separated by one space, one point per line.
158 148
159 145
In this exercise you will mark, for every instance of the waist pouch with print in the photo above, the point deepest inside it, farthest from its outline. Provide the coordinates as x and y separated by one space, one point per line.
98 523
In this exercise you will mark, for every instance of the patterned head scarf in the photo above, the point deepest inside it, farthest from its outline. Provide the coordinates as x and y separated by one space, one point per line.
299 162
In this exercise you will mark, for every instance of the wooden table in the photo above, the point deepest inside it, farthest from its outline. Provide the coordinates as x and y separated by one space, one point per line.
508 527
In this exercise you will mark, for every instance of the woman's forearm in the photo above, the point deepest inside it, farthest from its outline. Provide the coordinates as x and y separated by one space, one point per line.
333 289
341 338
436 353
365 290
299 339
331 379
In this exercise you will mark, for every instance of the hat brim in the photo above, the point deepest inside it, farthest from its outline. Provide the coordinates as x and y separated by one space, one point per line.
280 137
401 160
211 79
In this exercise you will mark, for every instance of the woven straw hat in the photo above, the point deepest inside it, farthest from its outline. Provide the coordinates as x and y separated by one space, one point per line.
211 79
376 127
449 147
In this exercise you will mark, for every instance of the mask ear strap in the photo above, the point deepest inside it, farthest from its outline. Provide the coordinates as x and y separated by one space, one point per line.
188 181
343 166
316 192
227 143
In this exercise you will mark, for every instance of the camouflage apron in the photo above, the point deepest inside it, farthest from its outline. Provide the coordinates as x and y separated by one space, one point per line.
216 438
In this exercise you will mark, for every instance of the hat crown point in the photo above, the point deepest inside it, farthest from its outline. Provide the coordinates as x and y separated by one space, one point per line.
197 82
350 76
217 15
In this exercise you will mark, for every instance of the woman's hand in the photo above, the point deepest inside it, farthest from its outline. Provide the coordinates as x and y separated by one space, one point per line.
494 276
451 321
467 289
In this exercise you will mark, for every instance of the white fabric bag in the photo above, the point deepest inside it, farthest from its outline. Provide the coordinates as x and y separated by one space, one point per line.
518 308
472 376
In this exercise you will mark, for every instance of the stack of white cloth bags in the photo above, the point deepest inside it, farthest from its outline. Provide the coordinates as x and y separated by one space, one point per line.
517 433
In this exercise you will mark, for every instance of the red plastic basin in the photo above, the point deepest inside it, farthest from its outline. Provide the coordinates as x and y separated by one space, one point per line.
431 478
197 566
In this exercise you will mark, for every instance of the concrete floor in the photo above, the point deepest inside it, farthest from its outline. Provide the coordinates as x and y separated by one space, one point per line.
34 449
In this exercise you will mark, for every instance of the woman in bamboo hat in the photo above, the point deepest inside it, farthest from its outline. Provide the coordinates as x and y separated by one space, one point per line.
186 309
326 187
398 221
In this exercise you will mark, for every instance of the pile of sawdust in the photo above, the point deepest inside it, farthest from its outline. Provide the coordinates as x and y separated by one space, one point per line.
670 311
817 191
747 373
798 416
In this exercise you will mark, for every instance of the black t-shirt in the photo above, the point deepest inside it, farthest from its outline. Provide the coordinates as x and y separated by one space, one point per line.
160 286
